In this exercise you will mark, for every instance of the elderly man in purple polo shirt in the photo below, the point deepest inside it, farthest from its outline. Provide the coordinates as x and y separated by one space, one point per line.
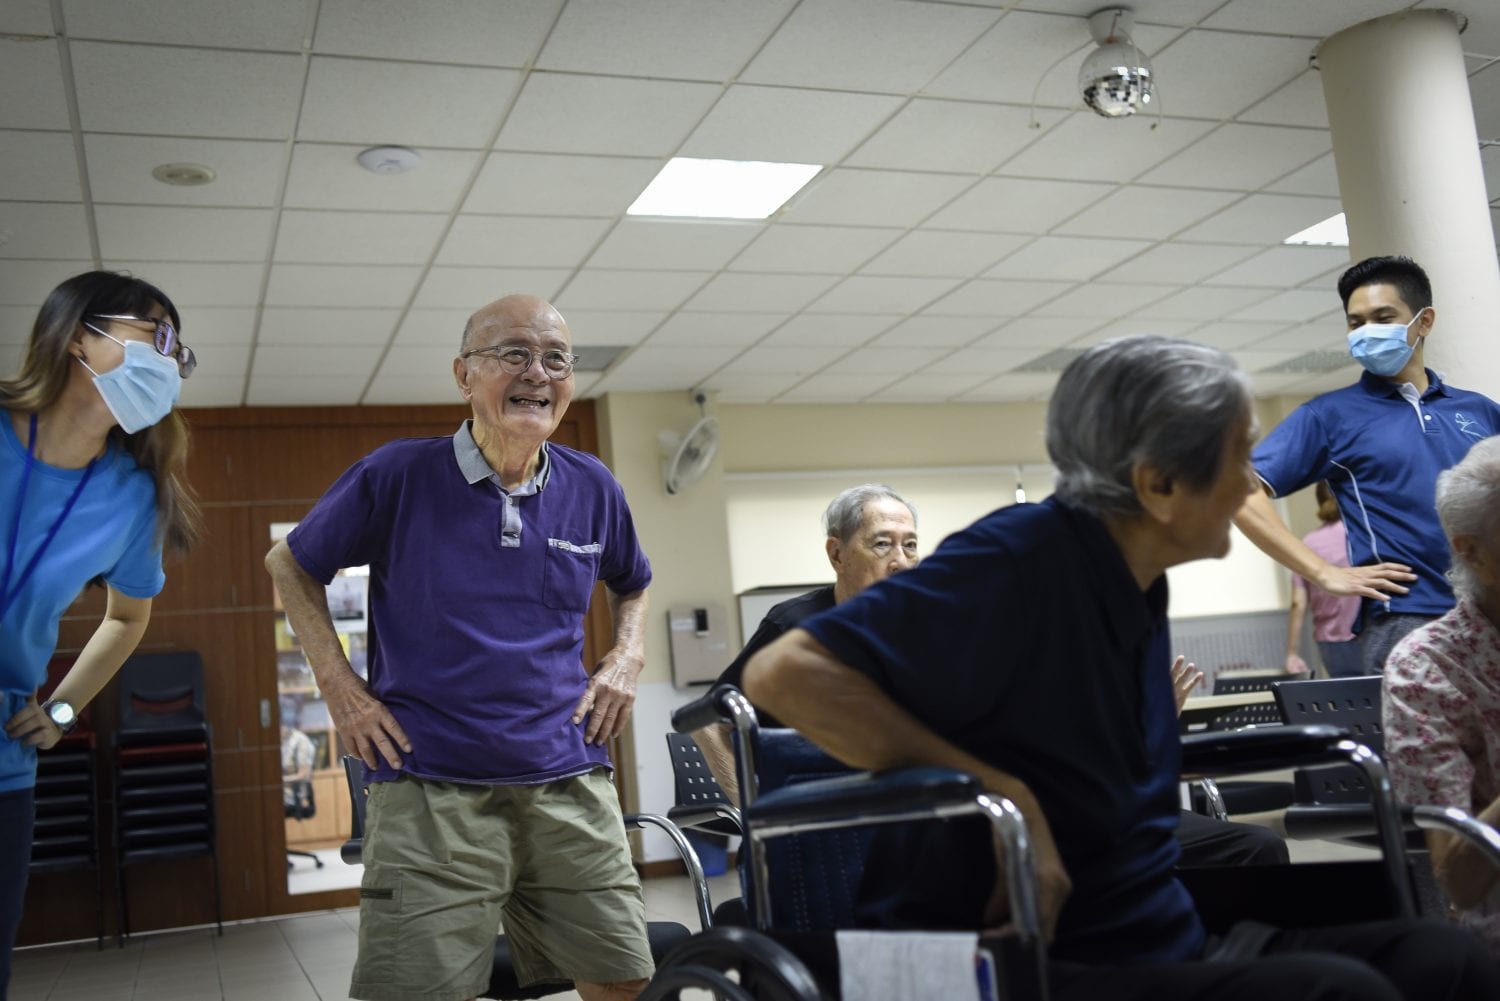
482 734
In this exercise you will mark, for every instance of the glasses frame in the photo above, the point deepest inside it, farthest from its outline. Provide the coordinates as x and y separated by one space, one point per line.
168 342
532 357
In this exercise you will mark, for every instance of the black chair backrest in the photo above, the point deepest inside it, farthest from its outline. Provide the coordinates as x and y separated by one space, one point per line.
1259 714
161 697
696 785
1233 683
1351 703
303 805
354 771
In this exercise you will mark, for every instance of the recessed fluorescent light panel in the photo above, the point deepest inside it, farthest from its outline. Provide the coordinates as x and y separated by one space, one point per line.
1331 232
722 189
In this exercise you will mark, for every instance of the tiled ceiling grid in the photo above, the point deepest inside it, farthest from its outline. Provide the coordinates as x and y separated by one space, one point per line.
958 237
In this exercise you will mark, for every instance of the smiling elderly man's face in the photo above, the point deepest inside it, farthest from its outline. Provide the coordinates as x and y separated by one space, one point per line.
527 405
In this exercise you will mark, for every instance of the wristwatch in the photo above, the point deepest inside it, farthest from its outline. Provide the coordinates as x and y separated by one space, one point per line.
61 714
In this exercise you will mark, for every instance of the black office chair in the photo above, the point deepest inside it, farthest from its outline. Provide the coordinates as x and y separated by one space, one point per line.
301 806
663 936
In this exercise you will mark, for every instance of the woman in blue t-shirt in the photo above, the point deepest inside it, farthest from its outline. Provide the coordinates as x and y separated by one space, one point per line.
92 490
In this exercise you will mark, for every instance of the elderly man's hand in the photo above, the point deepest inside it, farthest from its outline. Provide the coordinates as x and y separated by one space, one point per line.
609 698
367 726
1053 883
1379 581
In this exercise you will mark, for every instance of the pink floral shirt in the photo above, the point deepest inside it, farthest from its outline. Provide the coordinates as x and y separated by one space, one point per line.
1441 709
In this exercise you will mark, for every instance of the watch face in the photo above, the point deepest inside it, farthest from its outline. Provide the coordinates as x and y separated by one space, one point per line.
61 713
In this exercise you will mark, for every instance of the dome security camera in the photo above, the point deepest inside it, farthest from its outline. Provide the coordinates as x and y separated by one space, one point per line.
1115 79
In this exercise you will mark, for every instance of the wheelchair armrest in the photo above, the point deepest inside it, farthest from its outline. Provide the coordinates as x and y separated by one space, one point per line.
1355 820
864 798
715 818
705 710
1232 752
352 851
636 821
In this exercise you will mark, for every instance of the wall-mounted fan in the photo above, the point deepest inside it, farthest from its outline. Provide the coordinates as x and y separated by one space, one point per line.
689 455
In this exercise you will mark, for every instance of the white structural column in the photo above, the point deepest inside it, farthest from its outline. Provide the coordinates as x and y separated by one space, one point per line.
1410 176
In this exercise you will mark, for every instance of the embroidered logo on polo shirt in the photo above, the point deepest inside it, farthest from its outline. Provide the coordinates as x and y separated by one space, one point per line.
573 547
1468 426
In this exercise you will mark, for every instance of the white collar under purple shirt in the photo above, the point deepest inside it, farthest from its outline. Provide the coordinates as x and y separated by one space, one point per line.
475 469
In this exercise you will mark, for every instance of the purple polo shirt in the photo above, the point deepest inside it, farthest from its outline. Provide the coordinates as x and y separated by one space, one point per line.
475 641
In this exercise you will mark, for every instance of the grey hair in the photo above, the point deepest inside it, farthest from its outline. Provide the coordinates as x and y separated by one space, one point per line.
847 510
1160 400
1468 503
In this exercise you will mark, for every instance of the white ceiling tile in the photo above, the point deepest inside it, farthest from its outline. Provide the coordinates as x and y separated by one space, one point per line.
246 174
947 135
883 361
222 361
1208 74
1315 21
393 387
750 388
673 244
882 294
569 113
1066 258
186 92
996 298
787 125
1204 303
1101 300
424 363
1017 205
520 241
585 384
221 335
522 183
733 291
477 32
690 39
329 177
647 369
1086 147
26 17
1010 388
986 361
1020 49
844 44
31 79
433 328
1044 332
39 167
1484 91
408 104
934 331
594 288
43 230
943 253
1284 267
1227 335
26 283
365 327
777 359
1292 306
813 249
1317 178
1295 338
330 389
311 359
230 24
872 197
340 285
357 237
829 330
207 390
1132 326
837 387
1263 219
1146 213
714 329
920 390
1242 157
1483 34
1300 102
611 326
1178 263
194 283
470 288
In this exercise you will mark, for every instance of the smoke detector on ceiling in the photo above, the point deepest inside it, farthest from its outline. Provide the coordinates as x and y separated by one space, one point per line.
184 175
389 159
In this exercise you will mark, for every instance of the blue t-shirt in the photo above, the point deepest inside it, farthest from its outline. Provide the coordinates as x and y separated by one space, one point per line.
111 532
1026 641
1381 457
475 643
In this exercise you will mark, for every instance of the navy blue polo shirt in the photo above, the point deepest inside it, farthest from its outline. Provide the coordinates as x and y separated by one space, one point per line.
477 601
1381 455
1026 641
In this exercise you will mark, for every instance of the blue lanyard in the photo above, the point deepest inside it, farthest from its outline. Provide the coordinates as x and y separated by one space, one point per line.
8 594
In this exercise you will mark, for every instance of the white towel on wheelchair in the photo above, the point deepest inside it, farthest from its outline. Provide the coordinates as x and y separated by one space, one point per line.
899 966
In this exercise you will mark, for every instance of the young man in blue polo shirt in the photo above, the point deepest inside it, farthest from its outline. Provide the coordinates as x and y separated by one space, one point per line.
483 736
1380 444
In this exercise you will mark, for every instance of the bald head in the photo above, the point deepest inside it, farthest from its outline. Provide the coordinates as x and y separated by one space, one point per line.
514 315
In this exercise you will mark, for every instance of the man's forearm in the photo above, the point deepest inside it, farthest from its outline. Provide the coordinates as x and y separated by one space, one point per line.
714 741
1263 526
628 614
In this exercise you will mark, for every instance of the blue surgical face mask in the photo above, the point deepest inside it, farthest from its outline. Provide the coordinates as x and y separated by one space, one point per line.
1381 347
142 389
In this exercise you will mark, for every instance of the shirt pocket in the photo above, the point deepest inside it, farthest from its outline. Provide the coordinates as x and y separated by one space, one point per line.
569 573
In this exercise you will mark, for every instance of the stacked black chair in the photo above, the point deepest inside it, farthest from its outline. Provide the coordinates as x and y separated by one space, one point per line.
66 835
1352 703
163 771
1241 796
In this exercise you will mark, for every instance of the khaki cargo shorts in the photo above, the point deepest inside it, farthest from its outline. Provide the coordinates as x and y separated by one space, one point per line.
448 866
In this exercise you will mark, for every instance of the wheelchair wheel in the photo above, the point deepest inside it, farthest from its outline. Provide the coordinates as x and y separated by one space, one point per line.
765 969
669 984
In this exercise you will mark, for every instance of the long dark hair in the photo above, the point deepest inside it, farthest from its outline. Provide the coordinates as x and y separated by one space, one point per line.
160 449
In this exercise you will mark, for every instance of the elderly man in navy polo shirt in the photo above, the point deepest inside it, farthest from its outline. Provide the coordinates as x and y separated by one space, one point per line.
1032 650
482 734
1380 444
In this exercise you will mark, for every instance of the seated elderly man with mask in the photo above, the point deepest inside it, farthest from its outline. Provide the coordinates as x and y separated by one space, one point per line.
1032 650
